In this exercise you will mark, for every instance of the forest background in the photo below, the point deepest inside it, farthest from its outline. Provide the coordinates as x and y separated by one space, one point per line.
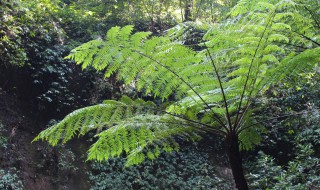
38 87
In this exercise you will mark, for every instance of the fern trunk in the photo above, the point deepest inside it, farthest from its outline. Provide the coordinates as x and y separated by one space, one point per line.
235 161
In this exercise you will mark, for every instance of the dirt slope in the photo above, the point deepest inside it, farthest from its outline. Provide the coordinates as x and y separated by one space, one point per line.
39 166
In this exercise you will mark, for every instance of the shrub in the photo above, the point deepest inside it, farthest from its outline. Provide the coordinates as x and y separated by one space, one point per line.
302 173
188 169
10 181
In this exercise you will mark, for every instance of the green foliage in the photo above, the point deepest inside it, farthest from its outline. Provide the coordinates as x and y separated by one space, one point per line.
20 27
10 41
36 36
9 180
128 48
51 76
301 173
292 143
212 89
155 16
66 161
294 107
188 169
3 138
132 127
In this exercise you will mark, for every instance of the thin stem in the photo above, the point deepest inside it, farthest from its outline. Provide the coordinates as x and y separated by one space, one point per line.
294 45
313 17
242 116
307 38
192 121
222 90
209 127
238 124
176 123
273 118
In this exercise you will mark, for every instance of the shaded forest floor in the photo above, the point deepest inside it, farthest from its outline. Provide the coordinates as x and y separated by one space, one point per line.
38 165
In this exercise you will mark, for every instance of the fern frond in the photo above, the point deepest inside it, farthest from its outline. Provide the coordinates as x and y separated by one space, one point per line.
112 34
133 57
142 136
296 63
133 127
95 117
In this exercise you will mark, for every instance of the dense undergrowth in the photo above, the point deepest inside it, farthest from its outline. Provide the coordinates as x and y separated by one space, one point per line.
190 168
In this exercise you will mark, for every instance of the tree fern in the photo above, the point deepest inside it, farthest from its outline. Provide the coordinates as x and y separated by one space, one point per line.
260 44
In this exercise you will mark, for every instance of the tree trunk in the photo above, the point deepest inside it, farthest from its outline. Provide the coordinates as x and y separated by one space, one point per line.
187 10
235 161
